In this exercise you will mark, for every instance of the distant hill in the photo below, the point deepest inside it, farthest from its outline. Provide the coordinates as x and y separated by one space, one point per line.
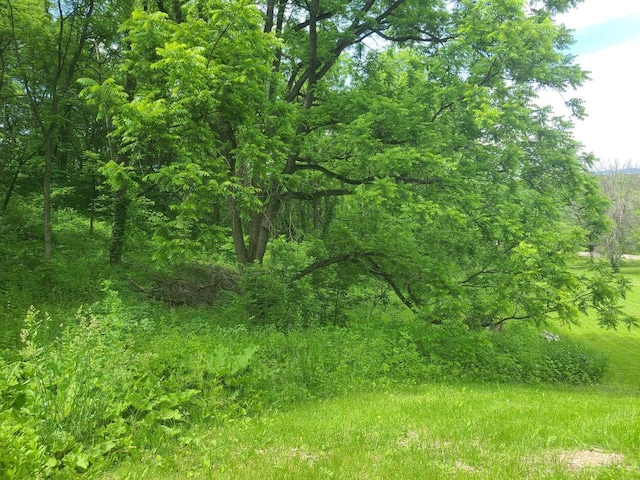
628 171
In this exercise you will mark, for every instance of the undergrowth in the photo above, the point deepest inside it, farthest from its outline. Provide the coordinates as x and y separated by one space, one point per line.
116 382
119 378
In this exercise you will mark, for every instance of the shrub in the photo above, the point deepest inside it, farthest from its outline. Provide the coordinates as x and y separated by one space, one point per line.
517 354
321 362
569 362
269 297
213 365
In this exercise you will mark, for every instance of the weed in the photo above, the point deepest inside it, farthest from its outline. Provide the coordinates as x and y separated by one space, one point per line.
72 403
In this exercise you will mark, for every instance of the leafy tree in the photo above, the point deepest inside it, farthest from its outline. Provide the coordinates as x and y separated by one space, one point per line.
44 49
621 188
408 131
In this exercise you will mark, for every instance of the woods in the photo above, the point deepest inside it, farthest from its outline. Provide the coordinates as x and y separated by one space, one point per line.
398 143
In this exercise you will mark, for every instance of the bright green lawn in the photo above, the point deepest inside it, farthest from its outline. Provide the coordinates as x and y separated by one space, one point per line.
434 431
438 431
622 346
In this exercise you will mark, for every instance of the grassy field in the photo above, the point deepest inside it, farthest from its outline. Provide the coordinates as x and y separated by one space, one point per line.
434 431
622 346
484 432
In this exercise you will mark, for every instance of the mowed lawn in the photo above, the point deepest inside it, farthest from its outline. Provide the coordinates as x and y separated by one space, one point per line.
434 431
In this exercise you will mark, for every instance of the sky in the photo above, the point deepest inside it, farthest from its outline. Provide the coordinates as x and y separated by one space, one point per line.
607 34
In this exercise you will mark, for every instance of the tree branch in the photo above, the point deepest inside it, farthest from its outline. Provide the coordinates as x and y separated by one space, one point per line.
356 32
377 270
305 24
330 174
316 195
344 257
428 38
366 180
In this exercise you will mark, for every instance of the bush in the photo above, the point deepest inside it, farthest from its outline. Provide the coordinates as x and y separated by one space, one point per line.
517 354
116 380
245 369
269 297
326 361
213 365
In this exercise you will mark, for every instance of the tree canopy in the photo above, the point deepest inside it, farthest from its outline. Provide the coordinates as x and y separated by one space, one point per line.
399 142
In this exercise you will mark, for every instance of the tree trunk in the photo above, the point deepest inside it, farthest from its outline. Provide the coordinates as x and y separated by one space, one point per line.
118 230
262 222
12 185
48 171
260 230
237 233
92 207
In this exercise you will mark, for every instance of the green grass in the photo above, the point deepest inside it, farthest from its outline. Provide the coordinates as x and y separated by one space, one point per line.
438 431
621 346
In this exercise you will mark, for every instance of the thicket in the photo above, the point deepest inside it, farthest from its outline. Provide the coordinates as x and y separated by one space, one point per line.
300 213
424 163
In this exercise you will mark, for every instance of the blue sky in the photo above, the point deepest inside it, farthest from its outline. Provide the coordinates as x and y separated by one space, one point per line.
607 34
602 35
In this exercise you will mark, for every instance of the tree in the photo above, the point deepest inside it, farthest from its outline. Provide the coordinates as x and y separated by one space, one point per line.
46 129
622 189
48 48
408 129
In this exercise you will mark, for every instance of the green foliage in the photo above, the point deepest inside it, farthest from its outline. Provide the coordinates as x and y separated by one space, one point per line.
424 164
213 366
116 379
58 399
73 403
271 297
253 368
326 361
70 279
266 298
517 354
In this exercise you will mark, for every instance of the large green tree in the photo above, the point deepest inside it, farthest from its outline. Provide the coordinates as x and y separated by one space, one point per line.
401 138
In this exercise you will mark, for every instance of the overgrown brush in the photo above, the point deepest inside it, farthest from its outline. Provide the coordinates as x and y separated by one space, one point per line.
71 404
517 354
269 367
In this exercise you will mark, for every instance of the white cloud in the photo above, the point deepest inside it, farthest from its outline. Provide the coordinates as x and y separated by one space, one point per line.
595 12
612 98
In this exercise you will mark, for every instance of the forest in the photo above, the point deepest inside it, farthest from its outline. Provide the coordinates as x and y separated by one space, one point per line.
217 210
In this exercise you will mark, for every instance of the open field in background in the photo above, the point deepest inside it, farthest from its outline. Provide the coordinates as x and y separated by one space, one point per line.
622 346
435 431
